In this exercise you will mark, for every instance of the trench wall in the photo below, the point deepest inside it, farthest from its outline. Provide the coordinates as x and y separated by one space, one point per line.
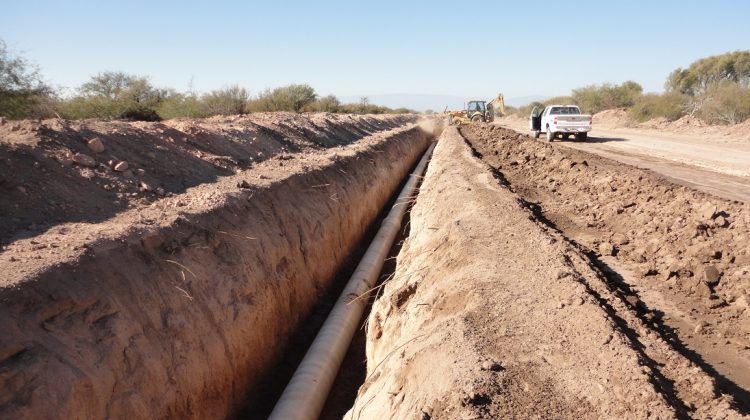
182 321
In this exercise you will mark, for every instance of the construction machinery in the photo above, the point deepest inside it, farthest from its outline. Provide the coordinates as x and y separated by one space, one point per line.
477 111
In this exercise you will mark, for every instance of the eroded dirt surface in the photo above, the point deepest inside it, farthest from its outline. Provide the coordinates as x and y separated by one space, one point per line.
180 308
494 312
58 171
711 159
681 257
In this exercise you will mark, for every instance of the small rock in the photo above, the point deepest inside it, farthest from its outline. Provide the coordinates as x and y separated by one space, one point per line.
720 221
21 189
2 120
96 145
708 211
606 249
711 275
620 239
146 187
492 366
84 160
243 184
140 172
121 166
700 327
151 155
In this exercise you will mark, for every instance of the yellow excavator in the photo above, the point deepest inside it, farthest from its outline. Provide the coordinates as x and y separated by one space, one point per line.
477 111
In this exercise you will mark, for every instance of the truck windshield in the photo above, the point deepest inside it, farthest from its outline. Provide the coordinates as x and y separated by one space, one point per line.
564 110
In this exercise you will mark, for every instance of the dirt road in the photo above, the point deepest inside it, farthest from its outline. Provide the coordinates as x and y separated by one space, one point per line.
719 166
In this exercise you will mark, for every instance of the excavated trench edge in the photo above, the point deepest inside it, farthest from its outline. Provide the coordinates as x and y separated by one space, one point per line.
352 372
648 317
108 335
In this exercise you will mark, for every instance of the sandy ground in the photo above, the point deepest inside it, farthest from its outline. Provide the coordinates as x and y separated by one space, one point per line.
711 161
495 313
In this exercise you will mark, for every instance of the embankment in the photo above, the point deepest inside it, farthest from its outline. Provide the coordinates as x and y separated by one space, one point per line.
175 309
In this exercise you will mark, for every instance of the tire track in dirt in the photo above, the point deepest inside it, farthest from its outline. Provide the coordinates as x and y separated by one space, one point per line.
692 386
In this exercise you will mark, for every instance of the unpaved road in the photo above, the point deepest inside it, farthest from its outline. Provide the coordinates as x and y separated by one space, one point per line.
719 166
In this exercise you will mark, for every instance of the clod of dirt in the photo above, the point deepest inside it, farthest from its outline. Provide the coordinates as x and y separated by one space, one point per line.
96 145
84 160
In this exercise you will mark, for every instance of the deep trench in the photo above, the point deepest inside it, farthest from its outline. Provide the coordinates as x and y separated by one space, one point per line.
353 369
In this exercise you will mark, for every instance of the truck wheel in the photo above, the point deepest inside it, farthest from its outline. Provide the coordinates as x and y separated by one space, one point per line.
582 136
537 133
550 135
477 118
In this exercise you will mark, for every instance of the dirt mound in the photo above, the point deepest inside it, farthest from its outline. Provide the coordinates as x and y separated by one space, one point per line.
612 118
57 171
493 314
689 249
180 309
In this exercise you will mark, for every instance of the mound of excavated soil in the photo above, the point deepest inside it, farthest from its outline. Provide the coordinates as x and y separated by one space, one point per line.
181 308
494 314
688 250
57 171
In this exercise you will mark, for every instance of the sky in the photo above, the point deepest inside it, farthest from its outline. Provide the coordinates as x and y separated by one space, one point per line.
356 48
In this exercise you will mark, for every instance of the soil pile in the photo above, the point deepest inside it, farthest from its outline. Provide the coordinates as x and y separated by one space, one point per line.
494 314
58 171
178 309
691 248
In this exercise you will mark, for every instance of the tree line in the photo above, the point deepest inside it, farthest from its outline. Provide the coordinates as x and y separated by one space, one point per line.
117 95
715 89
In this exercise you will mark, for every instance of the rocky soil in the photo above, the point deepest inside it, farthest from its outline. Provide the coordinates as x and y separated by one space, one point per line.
58 171
180 308
495 312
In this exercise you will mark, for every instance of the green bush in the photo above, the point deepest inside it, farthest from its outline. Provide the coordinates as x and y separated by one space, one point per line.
228 101
725 103
706 72
115 95
669 105
180 105
23 94
290 98
596 98
328 103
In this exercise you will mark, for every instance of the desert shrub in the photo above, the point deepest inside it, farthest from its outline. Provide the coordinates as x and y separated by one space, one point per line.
228 101
22 92
287 98
670 105
328 103
596 98
702 74
115 95
180 105
725 103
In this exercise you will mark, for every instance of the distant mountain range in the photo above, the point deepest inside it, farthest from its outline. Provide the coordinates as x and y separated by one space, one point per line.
423 102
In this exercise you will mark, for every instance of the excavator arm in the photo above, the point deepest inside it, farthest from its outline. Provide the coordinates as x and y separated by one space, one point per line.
498 104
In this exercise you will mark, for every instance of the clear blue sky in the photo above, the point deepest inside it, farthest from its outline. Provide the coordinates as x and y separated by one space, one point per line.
375 47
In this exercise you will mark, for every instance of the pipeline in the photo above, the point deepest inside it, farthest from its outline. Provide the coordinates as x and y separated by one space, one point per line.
308 389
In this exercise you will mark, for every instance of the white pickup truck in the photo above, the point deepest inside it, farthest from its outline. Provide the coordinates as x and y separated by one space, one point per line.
564 120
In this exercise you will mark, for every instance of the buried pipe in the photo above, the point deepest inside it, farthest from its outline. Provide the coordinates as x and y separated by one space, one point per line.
308 389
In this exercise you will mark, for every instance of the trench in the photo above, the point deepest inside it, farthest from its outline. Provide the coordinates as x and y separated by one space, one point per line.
204 315
353 369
